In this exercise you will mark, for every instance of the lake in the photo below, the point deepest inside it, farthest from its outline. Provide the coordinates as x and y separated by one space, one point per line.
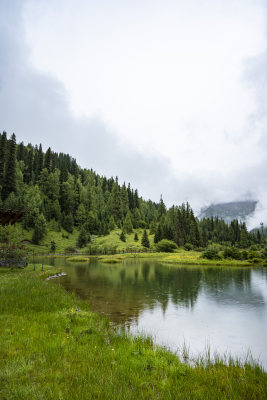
219 307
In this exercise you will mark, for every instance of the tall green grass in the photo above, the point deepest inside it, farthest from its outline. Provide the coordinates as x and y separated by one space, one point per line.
53 347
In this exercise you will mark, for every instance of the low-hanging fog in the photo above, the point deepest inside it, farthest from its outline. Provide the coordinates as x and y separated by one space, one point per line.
170 96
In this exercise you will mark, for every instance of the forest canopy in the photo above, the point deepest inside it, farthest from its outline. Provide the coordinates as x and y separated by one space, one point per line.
52 186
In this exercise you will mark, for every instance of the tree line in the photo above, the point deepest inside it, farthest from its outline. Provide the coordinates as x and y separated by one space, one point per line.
52 187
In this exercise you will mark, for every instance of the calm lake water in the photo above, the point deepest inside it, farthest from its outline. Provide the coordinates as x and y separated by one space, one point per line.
224 308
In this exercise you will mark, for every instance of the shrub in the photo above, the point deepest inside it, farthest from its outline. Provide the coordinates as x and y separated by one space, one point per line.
212 253
251 255
264 253
188 246
70 249
232 252
166 245
53 246
255 260
8 253
244 254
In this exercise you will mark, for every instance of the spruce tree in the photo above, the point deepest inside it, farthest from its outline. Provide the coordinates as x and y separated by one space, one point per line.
122 236
162 208
145 240
9 184
136 237
48 160
3 150
127 225
83 238
158 235
39 229
40 161
111 224
28 174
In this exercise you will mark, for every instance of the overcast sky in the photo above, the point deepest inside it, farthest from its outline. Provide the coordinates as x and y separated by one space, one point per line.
168 95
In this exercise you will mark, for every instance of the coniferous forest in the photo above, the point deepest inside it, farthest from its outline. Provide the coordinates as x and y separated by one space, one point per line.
51 186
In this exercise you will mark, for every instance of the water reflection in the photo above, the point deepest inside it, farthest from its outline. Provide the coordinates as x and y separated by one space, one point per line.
226 306
124 290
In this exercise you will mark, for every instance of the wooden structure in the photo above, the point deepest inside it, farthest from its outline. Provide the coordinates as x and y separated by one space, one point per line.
9 217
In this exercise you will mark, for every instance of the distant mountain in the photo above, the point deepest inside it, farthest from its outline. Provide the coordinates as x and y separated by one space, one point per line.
228 211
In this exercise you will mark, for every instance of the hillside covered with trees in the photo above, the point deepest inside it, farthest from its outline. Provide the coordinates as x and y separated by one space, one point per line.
52 188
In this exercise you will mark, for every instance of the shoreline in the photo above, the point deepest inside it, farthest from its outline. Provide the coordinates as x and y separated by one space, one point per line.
167 258
54 346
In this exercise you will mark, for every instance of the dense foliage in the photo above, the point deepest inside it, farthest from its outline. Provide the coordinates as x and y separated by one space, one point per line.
52 187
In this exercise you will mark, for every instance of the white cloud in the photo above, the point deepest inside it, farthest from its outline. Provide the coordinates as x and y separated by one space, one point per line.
174 81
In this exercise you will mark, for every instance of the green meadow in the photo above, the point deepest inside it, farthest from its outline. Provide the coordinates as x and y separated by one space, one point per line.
53 347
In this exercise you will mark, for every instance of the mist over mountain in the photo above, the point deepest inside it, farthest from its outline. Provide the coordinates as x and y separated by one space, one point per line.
241 210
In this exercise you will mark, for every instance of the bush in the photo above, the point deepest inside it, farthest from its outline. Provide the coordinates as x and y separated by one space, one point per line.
8 253
188 246
53 246
255 260
244 254
212 253
264 253
251 255
70 249
232 252
166 245
200 249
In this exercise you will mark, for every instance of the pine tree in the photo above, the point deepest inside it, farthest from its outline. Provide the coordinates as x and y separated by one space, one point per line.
83 238
122 236
111 224
39 229
67 222
3 150
162 208
158 235
145 240
38 162
20 151
48 160
127 225
10 170
28 174
136 237
136 199
153 227
116 202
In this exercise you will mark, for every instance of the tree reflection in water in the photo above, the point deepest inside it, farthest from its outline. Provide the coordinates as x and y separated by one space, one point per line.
125 290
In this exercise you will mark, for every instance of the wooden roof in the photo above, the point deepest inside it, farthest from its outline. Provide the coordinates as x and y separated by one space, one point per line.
9 217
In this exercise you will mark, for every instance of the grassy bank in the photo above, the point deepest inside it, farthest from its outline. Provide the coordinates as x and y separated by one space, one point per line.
53 347
181 257
65 241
